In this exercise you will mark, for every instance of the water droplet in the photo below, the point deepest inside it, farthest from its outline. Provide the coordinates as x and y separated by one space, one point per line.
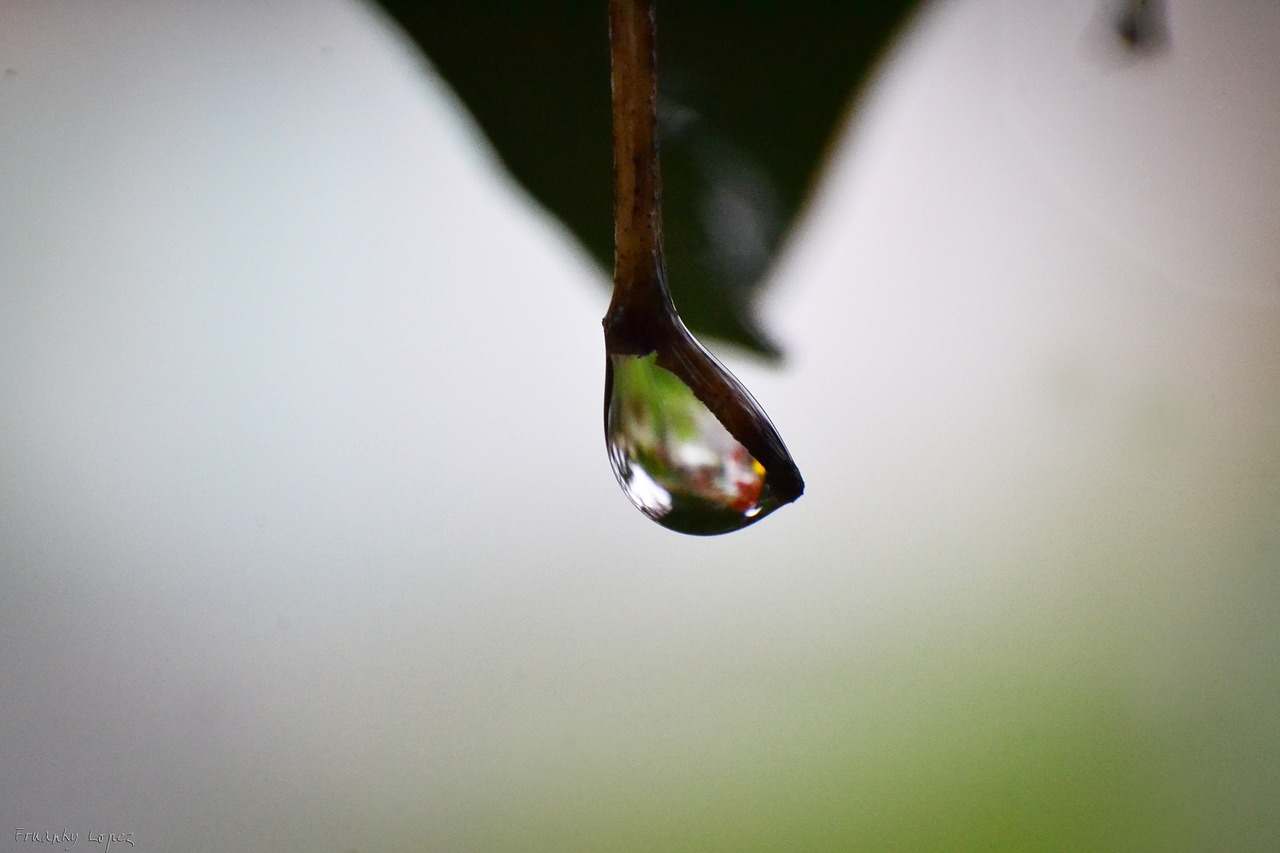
674 459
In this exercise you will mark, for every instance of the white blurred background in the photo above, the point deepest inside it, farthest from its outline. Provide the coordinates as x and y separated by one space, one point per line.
308 539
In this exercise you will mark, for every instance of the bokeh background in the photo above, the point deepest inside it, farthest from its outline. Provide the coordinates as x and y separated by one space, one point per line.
308 540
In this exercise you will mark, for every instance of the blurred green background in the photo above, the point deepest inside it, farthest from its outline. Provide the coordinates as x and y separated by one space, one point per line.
308 538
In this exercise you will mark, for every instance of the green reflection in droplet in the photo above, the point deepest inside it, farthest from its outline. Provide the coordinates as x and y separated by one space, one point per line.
673 458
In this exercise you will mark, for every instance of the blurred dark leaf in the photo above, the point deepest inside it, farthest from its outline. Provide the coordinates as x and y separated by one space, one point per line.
751 93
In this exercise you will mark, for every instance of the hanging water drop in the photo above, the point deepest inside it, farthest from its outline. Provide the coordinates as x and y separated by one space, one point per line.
690 446
672 456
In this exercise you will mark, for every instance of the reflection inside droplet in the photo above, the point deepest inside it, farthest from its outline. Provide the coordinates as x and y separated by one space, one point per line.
673 458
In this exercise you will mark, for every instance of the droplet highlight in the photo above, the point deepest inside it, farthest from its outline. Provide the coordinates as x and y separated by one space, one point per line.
673 458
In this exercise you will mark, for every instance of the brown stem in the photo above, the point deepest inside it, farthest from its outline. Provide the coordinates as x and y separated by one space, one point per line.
641 318
641 311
